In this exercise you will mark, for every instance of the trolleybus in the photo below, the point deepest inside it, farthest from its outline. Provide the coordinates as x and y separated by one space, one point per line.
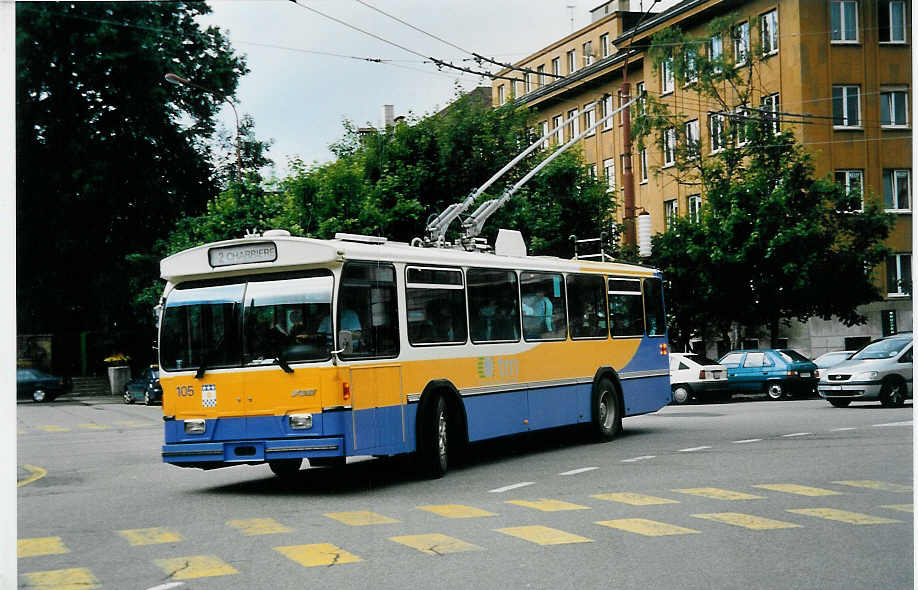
274 349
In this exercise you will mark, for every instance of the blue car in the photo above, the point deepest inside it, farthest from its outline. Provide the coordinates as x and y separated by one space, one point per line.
145 388
775 372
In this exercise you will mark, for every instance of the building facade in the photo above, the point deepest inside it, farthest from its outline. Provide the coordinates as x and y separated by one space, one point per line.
840 69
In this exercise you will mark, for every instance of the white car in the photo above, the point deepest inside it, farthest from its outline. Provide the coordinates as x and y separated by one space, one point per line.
694 376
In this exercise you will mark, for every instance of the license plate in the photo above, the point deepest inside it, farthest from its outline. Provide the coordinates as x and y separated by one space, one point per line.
804 374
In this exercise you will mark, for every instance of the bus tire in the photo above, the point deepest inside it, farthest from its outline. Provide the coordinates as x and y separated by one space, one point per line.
434 448
285 467
607 414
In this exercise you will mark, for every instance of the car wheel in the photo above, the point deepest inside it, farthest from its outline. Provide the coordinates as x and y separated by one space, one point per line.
774 390
680 394
147 400
128 398
892 395
607 418
285 467
39 396
435 440
840 403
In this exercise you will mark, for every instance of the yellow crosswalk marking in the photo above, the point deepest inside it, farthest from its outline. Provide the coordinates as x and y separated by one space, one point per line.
719 494
94 426
258 526
151 536
40 546
900 507
317 554
648 528
876 485
76 578
53 428
635 499
843 516
360 518
196 566
546 505
457 511
435 544
748 521
543 535
792 488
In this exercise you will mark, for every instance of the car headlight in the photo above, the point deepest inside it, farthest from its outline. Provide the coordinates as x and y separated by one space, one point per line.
866 376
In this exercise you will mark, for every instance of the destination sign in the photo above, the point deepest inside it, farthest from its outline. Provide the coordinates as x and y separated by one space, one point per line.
242 254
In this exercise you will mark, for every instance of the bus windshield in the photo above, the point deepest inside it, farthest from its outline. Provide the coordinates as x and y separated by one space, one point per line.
285 320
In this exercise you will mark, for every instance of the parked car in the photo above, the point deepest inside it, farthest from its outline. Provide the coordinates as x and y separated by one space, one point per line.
694 376
39 386
146 387
830 359
776 372
882 371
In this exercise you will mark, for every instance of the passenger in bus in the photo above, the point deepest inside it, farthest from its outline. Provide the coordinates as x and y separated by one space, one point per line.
537 310
350 321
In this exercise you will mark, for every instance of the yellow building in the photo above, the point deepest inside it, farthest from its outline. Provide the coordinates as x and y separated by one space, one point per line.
839 69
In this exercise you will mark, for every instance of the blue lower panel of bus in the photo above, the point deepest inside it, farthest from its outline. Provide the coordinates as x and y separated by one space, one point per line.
647 394
513 412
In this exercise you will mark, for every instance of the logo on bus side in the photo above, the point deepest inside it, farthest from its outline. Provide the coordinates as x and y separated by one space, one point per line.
497 368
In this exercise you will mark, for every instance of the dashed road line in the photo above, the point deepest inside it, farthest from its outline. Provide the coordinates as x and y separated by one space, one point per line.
512 486
747 440
168 586
693 449
842 429
576 471
53 428
796 434
906 423
641 458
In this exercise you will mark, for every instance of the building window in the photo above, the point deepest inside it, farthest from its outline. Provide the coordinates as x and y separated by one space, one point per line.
768 24
587 53
666 76
527 82
541 71
639 88
607 108
670 211
573 128
692 138
844 21
543 132
897 190
899 275
716 52
609 171
592 170
853 183
894 108
846 106
716 127
738 128
691 70
556 66
669 146
644 165
556 125
694 208
740 43
604 45
589 117
571 61
771 106
892 21
500 94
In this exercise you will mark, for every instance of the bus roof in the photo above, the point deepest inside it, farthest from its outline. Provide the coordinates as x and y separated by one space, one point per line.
276 253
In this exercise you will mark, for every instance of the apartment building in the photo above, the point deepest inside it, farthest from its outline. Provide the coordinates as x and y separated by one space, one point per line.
842 67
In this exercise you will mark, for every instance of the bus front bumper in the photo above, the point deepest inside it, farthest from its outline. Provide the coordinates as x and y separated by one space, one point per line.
226 453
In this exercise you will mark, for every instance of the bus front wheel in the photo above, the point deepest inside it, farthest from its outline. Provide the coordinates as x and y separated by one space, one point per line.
285 467
607 415
434 448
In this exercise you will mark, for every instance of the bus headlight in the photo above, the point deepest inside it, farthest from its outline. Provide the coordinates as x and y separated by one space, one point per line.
300 421
195 426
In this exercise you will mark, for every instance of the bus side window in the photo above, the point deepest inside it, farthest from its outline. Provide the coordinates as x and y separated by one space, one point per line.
494 305
435 306
586 301
626 306
653 305
368 309
543 306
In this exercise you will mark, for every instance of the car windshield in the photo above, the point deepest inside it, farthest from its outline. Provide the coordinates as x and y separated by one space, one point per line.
792 356
882 349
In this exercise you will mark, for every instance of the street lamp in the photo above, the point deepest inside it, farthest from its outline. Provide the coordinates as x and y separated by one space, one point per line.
178 80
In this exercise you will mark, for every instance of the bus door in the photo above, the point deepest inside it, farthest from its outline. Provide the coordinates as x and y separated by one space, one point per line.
378 402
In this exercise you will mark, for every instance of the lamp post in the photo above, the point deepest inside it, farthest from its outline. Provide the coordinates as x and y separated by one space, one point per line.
178 80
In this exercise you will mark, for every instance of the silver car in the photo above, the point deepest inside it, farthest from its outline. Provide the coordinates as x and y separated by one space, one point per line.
882 371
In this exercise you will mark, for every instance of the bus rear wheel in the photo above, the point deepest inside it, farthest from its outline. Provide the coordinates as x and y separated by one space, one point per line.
607 415
434 449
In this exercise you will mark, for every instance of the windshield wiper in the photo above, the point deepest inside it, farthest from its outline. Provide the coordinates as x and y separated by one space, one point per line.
201 369
282 362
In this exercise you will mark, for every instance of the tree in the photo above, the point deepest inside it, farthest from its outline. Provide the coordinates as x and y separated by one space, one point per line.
770 237
106 162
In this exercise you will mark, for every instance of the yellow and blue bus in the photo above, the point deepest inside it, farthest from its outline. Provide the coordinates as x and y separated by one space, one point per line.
274 349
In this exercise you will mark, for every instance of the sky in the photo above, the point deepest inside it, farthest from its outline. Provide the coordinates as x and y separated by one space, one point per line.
299 99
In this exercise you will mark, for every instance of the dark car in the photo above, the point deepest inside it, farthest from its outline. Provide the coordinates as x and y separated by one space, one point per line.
775 372
144 388
39 386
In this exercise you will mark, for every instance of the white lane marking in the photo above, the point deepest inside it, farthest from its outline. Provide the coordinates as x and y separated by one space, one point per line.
636 459
522 484
691 449
576 471
840 429
796 434
167 586
748 440
906 423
